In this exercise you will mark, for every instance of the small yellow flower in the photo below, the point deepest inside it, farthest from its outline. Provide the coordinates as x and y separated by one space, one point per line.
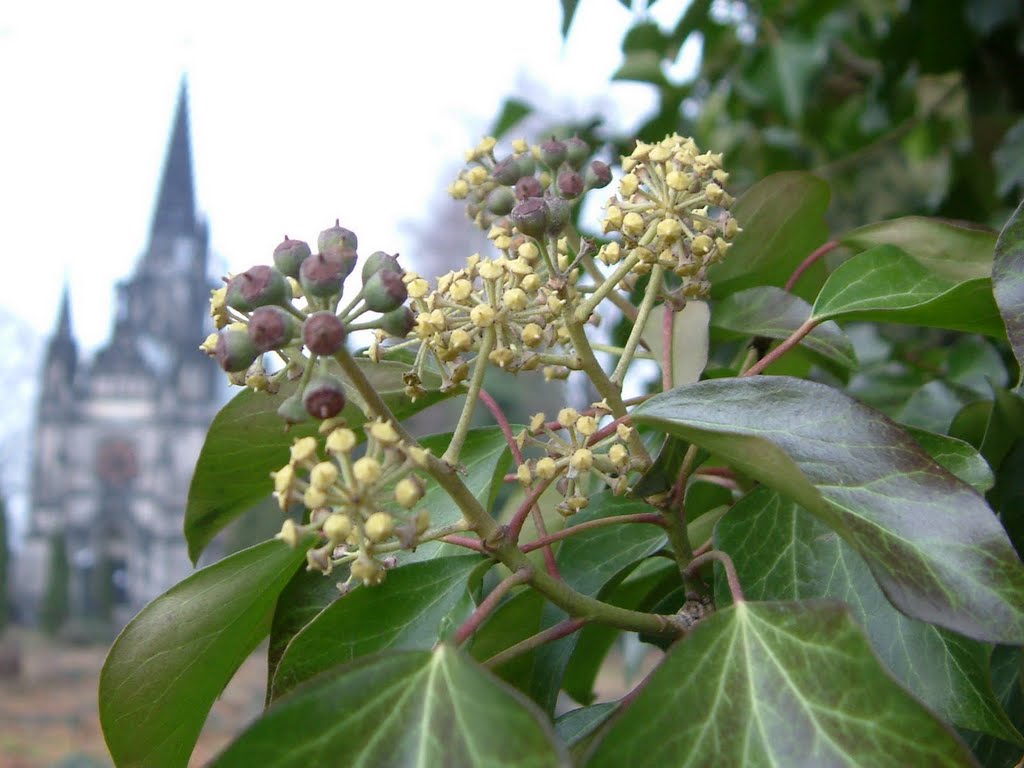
582 459
546 468
515 299
528 251
210 345
623 431
337 528
476 175
302 449
408 491
341 440
629 184
379 526
367 470
491 269
289 533
283 479
633 224
384 432
536 422
482 315
568 417
523 474
618 454
459 189
532 334
323 475
418 288
701 245
460 290
586 425
670 230
314 497
460 340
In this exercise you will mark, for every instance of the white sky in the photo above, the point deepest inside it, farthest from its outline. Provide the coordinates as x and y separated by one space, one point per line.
299 115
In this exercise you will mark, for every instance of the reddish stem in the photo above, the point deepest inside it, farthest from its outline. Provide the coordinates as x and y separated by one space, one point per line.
488 604
464 541
502 419
640 517
556 632
515 525
807 263
794 338
730 571
607 429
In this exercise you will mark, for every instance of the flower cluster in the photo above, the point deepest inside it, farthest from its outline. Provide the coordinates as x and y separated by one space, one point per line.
293 309
671 210
583 452
359 507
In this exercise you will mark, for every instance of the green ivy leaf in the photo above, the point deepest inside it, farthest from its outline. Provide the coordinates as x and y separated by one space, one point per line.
170 663
795 63
1008 282
576 727
591 562
776 684
771 312
399 709
783 553
512 111
936 549
887 285
514 620
1006 675
783 221
247 441
945 248
415 606
960 458
568 11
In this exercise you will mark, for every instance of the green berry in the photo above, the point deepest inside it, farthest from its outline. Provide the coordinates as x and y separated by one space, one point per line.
289 255
385 291
377 261
292 410
507 172
258 286
271 328
235 351
531 216
553 153
500 200
398 322
323 274
337 237
569 184
598 175
577 152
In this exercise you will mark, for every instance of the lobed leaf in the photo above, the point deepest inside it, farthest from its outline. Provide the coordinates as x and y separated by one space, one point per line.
776 684
936 549
414 607
248 440
170 663
885 284
771 312
783 553
401 708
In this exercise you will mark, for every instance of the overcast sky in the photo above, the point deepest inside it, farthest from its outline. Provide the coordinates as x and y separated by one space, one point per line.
299 115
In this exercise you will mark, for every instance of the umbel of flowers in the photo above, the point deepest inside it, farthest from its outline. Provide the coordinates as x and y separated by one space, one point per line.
529 306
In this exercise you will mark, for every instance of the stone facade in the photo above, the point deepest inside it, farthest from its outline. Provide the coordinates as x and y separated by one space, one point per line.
117 436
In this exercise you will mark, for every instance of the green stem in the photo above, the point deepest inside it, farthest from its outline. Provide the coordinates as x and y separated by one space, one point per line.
586 308
644 312
451 455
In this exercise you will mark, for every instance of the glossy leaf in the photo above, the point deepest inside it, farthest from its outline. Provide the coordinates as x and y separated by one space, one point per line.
945 248
415 606
174 658
512 111
1008 282
576 726
782 552
776 684
771 312
960 458
401 708
885 284
936 549
783 221
248 440
590 562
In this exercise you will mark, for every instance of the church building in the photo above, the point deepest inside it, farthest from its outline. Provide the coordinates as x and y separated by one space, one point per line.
117 436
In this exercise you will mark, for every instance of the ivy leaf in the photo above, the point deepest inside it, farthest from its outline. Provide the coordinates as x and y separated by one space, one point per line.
512 111
795 62
689 353
414 606
248 440
959 457
170 663
783 221
397 709
783 553
945 248
773 313
591 562
887 285
1008 282
777 684
936 549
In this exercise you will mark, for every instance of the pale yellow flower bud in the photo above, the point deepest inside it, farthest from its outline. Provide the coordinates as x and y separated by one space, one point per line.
618 454
633 224
379 526
568 417
519 146
515 299
323 475
476 175
459 189
283 479
503 242
422 522
491 270
612 218
418 288
337 528
487 143
384 432
623 431
417 455
367 470
582 459
586 425
610 253
678 180
546 468
314 497
408 491
461 290
532 335
523 474
629 184
210 345
528 251
701 245
302 449
341 440
460 340
289 534
554 303
714 192
536 422
531 283
482 315
670 229
367 570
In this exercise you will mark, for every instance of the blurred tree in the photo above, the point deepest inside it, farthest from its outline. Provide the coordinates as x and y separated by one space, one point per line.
5 555
54 610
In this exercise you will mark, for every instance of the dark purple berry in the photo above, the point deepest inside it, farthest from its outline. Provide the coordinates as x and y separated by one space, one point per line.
553 152
257 287
506 172
527 187
598 175
569 184
324 397
271 328
234 351
531 216
323 333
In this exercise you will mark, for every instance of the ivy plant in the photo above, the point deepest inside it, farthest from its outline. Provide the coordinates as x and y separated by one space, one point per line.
825 576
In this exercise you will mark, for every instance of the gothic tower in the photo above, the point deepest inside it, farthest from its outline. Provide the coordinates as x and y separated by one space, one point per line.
117 437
